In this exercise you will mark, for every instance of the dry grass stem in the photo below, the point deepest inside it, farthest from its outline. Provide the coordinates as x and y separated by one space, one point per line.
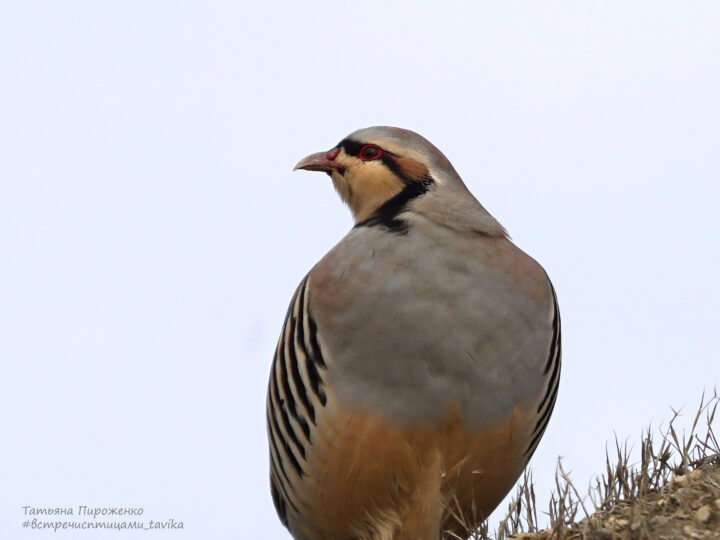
673 492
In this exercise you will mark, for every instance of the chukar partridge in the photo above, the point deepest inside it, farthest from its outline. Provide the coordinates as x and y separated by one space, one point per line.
419 361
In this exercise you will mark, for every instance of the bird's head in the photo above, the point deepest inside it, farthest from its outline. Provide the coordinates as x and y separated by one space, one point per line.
376 166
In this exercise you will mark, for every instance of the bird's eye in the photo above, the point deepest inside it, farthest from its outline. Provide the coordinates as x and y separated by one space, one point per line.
370 152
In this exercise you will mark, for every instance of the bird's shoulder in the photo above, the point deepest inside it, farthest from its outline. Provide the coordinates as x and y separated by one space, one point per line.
428 256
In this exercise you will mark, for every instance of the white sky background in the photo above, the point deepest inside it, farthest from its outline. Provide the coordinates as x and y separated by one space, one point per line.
152 232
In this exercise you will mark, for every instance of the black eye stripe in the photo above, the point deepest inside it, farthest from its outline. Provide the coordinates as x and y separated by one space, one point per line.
352 148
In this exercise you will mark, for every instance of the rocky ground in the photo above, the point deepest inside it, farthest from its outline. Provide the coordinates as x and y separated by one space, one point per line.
688 506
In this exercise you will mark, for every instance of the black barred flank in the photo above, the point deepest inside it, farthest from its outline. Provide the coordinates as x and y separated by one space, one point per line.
295 370
554 356
314 345
555 343
545 417
281 404
536 439
310 359
553 378
273 431
316 382
276 464
280 481
289 397
552 384
282 369
295 382
285 445
282 487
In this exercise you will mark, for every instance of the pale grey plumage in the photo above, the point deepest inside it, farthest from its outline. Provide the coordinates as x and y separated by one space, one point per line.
424 330
439 290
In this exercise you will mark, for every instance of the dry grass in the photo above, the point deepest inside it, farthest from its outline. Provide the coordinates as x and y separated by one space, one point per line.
673 493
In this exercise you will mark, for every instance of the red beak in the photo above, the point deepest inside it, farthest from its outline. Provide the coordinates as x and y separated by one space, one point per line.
322 161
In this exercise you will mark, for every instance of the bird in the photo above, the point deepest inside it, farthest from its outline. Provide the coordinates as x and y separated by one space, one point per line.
419 360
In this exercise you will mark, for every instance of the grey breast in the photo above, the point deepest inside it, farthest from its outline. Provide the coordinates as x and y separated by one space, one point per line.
430 318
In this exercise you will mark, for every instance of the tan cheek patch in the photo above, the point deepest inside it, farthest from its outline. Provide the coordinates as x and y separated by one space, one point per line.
370 189
411 169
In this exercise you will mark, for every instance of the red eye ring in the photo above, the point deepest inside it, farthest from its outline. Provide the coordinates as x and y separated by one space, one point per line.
370 152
